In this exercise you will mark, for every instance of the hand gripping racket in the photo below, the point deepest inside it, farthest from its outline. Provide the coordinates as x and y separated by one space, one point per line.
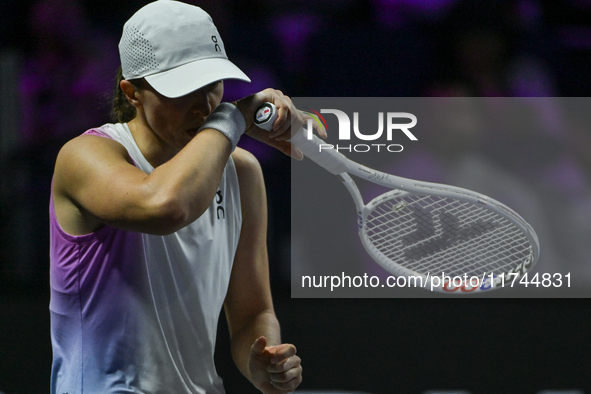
428 230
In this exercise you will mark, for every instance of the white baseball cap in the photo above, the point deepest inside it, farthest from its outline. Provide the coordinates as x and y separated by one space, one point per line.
176 48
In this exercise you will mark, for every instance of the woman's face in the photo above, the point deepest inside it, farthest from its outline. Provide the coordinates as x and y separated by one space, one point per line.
175 121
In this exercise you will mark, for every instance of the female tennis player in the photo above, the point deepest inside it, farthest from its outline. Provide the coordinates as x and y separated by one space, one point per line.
158 220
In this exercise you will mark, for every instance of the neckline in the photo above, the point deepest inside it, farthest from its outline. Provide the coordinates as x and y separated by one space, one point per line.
145 163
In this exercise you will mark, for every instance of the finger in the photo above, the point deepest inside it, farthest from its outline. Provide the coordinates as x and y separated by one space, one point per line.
296 153
282 123
290 385
286 376
258 347
286 387
281 352
282 112
292 124
278 99
291 150
284 365
320 130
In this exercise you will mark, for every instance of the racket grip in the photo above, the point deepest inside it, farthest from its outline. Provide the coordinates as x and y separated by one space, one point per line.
316 149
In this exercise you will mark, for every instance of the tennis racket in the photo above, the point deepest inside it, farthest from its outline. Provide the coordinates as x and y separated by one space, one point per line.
435 232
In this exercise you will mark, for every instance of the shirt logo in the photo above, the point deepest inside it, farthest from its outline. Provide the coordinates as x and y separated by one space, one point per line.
219 198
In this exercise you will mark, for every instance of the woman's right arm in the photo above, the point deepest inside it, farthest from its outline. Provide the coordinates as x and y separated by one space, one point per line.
95 184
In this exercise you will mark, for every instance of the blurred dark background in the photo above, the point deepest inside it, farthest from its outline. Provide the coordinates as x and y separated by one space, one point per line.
57 64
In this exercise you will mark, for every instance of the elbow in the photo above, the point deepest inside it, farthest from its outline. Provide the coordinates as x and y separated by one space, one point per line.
169 215
169 209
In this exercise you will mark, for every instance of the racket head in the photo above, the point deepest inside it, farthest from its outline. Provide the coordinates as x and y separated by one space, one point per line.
439 234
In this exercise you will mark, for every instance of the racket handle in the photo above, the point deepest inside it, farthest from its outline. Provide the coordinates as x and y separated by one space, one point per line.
316 149
329 158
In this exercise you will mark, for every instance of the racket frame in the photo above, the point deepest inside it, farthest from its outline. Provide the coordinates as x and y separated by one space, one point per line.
338 164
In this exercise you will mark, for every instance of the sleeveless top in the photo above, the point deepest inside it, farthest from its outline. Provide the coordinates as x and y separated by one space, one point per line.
138 313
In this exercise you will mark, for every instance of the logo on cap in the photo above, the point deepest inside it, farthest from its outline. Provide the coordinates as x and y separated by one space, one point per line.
216 47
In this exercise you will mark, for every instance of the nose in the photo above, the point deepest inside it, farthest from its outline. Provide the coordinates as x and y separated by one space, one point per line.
201 103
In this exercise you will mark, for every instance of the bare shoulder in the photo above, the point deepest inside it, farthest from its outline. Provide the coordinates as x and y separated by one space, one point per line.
82 155
84 169
248 167
252 185
86 148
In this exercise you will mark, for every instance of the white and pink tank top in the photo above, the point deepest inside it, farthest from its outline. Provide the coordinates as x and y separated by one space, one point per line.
138 313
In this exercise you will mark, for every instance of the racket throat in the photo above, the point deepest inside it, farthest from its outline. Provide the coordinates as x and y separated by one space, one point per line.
354 191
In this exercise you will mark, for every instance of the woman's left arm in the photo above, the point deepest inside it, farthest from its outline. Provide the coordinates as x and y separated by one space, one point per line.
271 366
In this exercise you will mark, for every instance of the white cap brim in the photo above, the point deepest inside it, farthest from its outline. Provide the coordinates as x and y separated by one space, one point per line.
189 77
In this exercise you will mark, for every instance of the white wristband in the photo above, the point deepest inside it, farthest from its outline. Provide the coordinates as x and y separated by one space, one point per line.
228 120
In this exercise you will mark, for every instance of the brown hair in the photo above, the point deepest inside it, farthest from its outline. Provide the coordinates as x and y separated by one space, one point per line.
121 109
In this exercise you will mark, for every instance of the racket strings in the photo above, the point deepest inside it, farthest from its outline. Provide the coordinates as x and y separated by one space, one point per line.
432 234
